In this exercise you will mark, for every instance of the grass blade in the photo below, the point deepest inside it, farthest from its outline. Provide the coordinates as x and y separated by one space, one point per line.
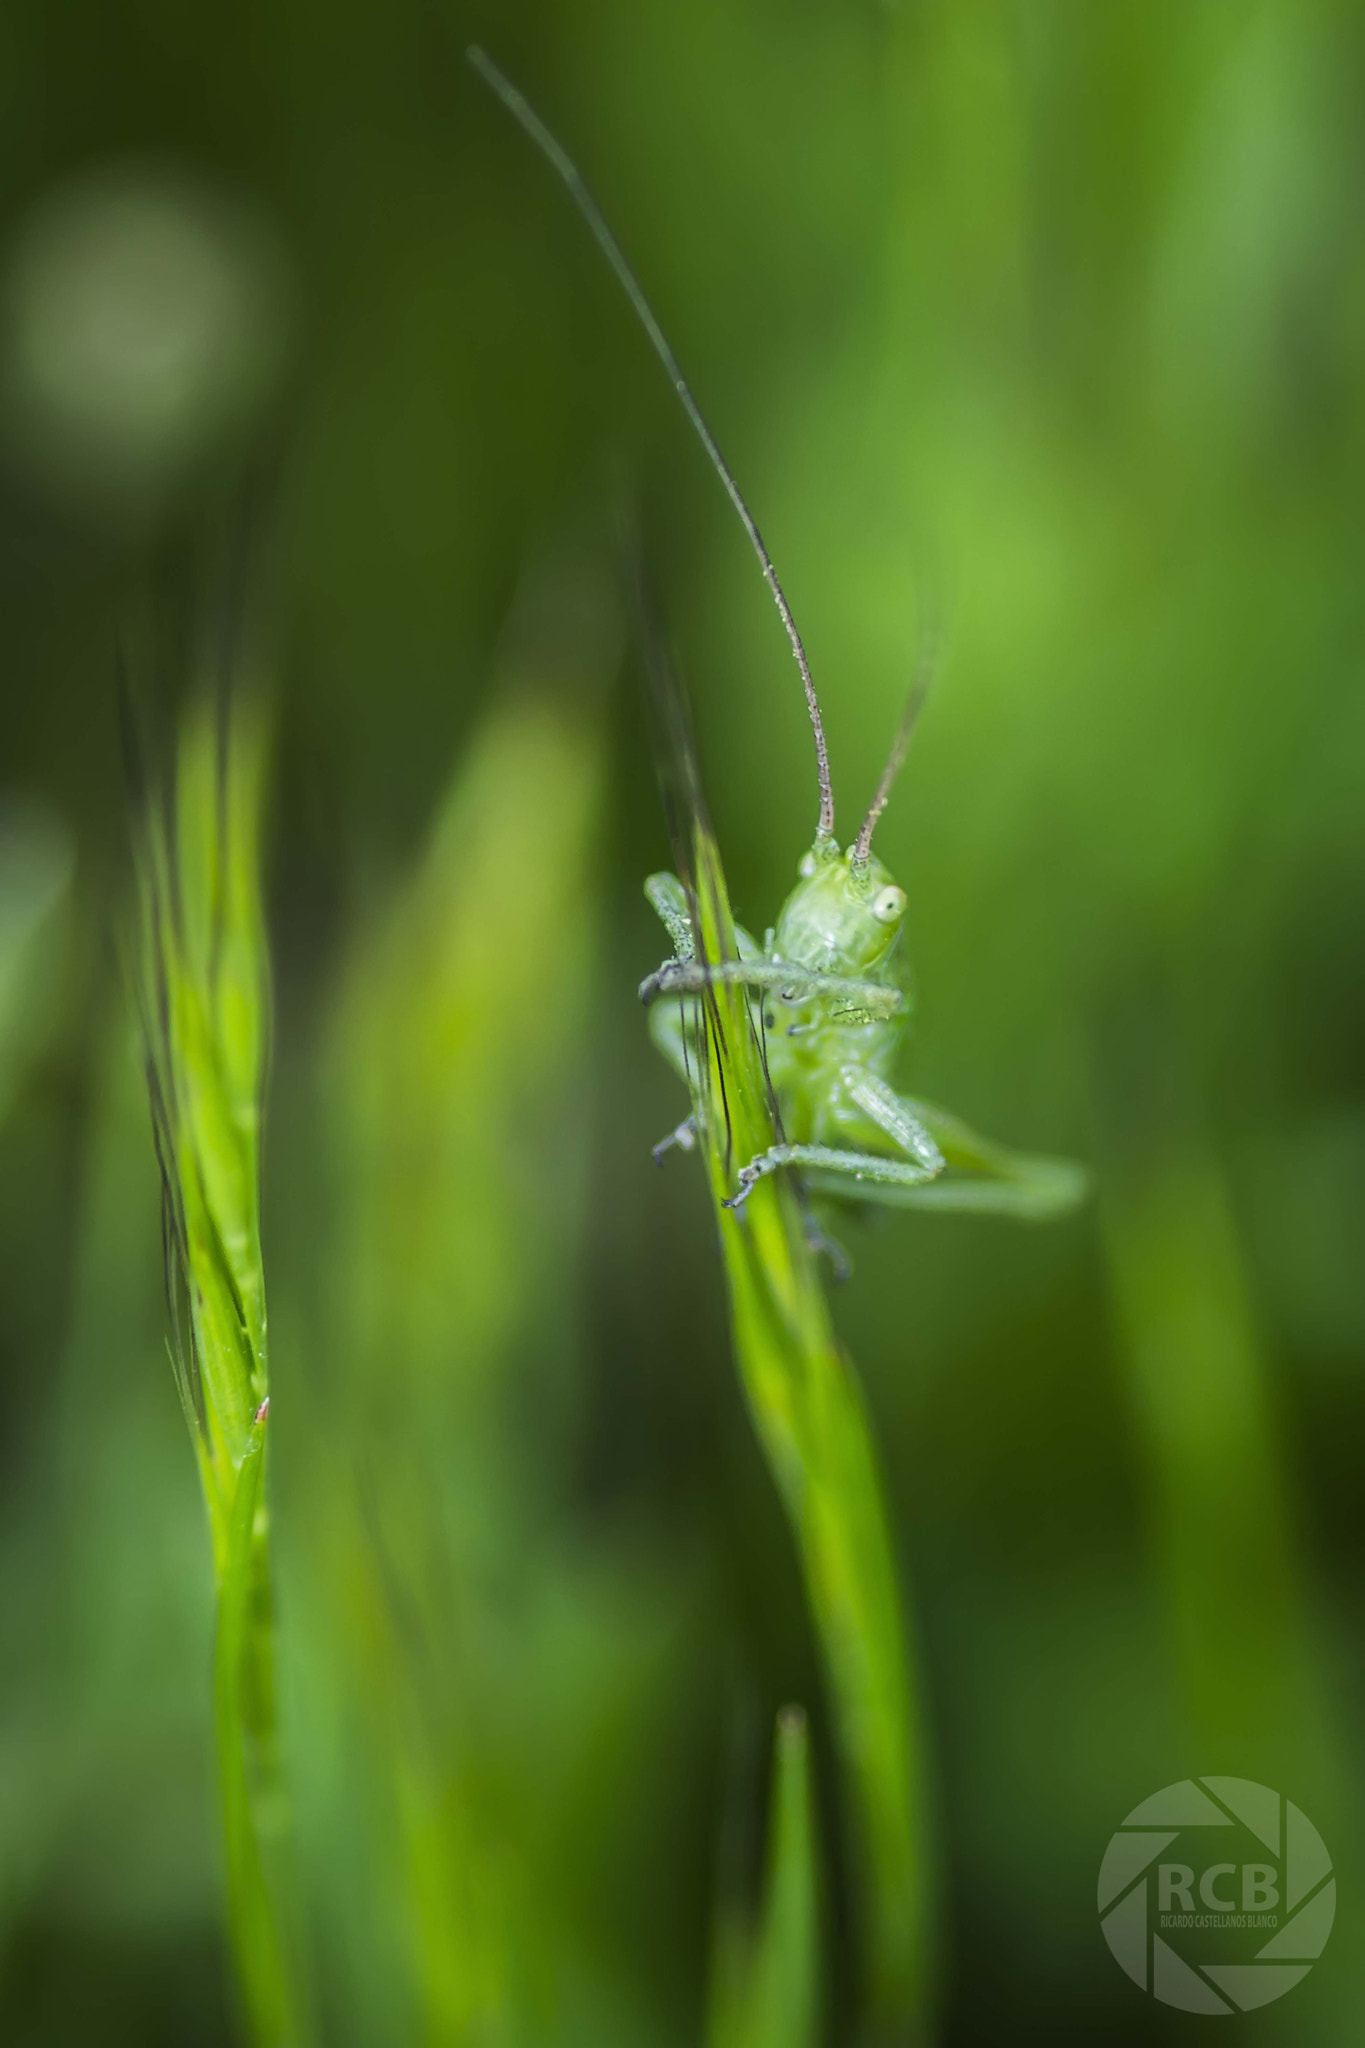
808 1409
768 1988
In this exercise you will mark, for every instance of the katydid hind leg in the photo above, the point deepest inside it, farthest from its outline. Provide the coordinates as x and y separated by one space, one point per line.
893 1114
981 1178
852 1174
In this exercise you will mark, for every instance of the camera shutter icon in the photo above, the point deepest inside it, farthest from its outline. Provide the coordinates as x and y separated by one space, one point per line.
1297 1880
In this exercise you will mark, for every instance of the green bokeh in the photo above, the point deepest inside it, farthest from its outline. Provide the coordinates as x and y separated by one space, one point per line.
1051 315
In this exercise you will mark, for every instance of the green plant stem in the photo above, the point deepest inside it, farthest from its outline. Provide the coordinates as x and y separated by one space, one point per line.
246 1733
808 1409
810 1416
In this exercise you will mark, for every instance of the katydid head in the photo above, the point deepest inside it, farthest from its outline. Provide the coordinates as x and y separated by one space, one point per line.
844 915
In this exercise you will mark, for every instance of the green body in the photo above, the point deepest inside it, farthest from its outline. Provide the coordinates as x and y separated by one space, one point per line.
830 978
843 922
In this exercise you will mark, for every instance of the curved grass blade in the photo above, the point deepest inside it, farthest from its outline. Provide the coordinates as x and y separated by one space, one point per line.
807 1406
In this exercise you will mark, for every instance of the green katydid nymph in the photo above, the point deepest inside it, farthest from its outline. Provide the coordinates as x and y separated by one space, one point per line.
829 982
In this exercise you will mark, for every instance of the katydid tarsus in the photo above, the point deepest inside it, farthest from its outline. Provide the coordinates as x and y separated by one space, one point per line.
828 983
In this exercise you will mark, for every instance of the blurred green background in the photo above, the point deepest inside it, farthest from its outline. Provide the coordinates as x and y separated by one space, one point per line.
1063 305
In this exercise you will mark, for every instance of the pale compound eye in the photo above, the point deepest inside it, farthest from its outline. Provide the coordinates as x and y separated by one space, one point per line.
805 867
888 906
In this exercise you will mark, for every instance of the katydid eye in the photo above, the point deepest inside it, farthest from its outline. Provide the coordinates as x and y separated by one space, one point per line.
888 905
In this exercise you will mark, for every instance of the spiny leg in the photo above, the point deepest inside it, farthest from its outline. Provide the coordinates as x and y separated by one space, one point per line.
881 1104
674 1026
894 1115
830 1162
982 1177
684 1137
856 1001
668 900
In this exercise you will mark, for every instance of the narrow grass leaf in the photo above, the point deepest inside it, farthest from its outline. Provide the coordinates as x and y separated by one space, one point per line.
768 1982
809 1412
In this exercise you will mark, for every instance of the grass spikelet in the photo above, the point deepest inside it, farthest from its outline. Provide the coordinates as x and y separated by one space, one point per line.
202 983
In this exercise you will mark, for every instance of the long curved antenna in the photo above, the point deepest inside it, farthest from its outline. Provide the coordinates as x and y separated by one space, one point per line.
526 116
925 670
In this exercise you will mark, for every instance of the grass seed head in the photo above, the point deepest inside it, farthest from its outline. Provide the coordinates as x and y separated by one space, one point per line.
202 983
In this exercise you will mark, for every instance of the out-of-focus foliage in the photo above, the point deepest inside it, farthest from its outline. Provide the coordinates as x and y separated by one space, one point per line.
35 878
1062 306
766 1980
144 321
471 1657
